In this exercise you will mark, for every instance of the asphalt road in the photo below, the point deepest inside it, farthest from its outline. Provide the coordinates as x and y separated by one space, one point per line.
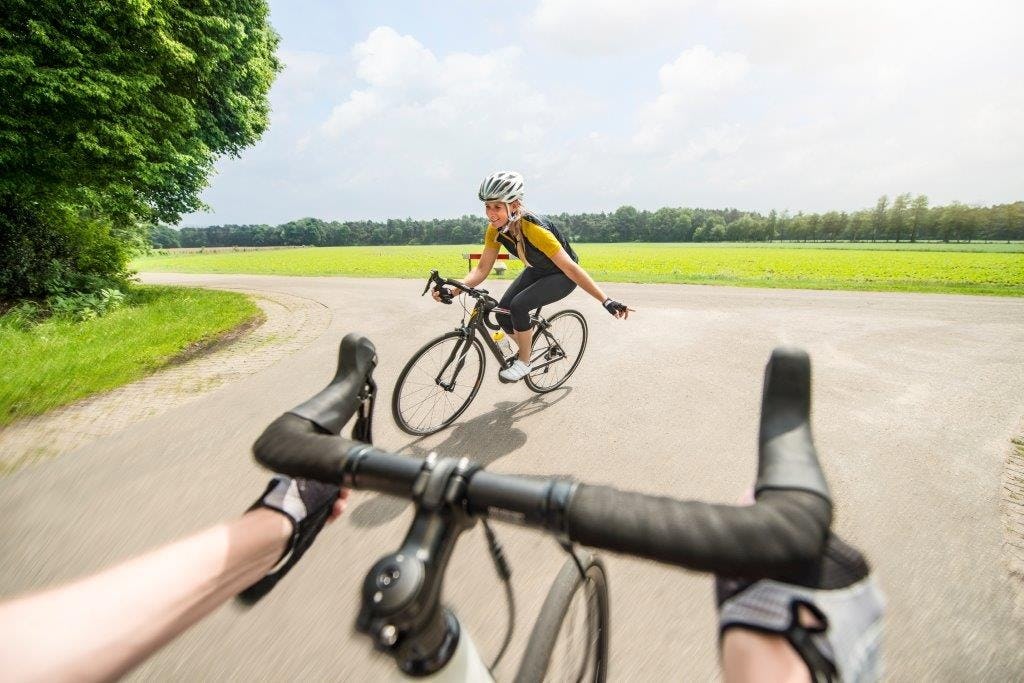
916 399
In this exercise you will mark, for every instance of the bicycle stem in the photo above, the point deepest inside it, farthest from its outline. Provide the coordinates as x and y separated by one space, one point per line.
401 607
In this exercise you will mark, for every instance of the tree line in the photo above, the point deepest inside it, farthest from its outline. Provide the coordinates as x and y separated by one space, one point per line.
906 218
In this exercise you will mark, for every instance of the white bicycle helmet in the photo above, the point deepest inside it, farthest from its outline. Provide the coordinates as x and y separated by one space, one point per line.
502 186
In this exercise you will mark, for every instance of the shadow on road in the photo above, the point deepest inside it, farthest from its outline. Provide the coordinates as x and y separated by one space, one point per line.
484 439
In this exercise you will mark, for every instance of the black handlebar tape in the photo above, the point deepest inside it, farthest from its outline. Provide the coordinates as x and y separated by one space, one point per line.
786 456
339 400
782 536
533 501
296 447
472 291
388 473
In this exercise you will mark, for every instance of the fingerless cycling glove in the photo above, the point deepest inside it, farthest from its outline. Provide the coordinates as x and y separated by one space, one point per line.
843 598
613 306
308 505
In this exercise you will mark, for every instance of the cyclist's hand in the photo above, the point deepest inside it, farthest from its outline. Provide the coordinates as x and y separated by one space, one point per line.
442 294
309 505
617 309
832 620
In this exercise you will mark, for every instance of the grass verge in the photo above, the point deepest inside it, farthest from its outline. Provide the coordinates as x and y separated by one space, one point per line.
59 361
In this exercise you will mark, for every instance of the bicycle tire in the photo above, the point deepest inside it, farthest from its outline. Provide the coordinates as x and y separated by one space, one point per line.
403 407
551 623
534 380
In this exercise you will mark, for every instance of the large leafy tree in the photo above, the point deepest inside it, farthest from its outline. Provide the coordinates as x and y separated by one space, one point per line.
116 111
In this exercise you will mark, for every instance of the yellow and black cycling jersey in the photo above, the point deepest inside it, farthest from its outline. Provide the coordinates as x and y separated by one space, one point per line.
541 240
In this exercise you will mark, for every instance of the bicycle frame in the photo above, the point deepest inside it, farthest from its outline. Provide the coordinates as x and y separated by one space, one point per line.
465 666
477 324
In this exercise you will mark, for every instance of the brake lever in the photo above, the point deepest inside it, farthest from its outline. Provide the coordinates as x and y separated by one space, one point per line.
433 277
438 283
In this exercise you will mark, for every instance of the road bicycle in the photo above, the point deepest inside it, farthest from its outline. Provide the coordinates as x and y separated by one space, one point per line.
779 536
443 377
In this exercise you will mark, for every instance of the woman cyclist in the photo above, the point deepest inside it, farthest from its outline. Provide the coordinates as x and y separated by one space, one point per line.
551 270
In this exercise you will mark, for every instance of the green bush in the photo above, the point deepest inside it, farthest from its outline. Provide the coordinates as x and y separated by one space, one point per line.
71 307
85 305
59 250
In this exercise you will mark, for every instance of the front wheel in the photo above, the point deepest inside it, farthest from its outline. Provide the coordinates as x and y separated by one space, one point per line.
438 383
569 642
557 350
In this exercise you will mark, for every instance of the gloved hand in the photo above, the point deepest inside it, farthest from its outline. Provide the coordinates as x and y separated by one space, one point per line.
309 505
442 294
617 309
833 621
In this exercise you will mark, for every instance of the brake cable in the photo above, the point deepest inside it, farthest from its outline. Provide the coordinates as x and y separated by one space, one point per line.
505 574
362 430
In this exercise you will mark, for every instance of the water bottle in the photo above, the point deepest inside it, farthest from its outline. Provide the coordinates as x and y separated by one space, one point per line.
501 339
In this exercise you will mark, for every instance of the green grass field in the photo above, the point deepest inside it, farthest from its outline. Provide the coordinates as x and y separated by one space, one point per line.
58 362
986 269
985 247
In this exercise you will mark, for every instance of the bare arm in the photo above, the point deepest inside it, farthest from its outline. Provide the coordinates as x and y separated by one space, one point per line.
483 268
578 275
99 627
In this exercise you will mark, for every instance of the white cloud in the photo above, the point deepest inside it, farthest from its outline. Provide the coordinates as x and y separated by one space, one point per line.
795 103
719 140
425 124
608 26
700 70
691 86
388 60
404 79
359 107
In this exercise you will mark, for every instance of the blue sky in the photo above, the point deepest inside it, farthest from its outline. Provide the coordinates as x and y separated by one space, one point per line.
398 109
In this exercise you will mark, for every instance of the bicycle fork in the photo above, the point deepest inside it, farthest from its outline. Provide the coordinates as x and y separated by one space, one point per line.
461 350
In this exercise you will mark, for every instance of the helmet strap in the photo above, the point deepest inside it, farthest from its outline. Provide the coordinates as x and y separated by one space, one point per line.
512 217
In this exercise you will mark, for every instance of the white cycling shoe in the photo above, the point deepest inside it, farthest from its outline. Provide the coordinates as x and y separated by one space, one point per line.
515 372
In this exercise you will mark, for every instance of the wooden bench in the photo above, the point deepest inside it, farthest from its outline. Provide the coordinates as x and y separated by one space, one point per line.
499 267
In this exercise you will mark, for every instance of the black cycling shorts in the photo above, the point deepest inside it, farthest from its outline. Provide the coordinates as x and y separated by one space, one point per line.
529 291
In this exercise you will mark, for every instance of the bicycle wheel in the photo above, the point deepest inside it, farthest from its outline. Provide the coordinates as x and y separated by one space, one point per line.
557 351
569 642
438 384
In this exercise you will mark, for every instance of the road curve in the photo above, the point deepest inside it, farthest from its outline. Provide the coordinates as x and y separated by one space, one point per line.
916 399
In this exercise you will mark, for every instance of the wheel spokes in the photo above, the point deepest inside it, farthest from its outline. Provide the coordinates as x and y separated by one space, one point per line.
439 384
